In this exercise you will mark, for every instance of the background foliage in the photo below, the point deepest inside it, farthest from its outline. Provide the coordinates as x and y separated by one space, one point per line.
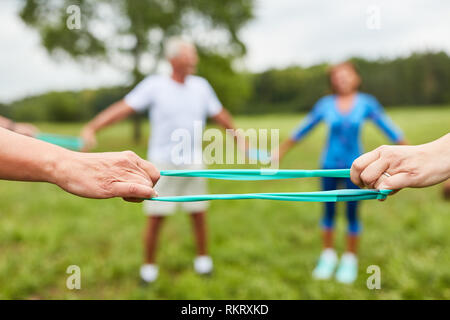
420 79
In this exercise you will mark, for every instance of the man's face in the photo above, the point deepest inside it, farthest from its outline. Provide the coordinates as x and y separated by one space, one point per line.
186 61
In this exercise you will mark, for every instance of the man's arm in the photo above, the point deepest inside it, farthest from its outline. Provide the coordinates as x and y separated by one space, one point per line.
90 175
224 119
114 113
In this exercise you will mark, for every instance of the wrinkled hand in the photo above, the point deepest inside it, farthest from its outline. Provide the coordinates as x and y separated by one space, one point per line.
25 129
89 139
408 166
107 175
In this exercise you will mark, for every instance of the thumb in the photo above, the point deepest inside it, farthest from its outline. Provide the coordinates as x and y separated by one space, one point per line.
390 183
395 182
89 143
132 190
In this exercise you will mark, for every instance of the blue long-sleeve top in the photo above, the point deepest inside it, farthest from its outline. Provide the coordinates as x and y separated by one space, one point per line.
344 130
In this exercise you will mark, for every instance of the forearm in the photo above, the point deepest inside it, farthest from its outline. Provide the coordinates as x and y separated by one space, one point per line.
286 146
90 175
114 113
224 119
440 151
27 159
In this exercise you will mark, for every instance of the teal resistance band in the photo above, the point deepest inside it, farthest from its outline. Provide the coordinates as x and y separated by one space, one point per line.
318 196
68 142
257 174
272 174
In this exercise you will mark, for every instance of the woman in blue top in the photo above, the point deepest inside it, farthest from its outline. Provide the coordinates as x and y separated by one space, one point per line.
344 112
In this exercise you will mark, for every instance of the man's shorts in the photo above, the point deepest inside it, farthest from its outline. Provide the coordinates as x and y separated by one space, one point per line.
177 186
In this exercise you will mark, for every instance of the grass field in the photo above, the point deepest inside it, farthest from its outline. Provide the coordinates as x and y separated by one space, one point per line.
261 249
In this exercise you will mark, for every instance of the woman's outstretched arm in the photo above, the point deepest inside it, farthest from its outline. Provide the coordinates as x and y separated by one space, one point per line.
311 120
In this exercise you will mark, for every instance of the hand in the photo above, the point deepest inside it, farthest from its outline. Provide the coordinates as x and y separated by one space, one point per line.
275 156
241 142
278 155
406 166
25 129
89 139
107 175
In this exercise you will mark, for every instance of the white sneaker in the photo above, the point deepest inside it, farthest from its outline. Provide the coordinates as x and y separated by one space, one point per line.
149 273
348 268
326 265
203 264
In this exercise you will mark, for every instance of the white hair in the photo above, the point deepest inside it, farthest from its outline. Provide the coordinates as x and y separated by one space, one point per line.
173 46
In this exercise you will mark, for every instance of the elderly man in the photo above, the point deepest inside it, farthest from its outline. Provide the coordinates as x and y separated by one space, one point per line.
178 102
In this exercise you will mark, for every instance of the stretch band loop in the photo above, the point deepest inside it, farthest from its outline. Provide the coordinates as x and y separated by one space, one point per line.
318 196
257 174
274 174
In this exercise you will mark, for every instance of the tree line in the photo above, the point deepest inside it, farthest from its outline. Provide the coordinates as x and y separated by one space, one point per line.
417 80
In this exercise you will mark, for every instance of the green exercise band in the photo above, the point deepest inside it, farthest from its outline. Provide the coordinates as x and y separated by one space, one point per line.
257 174
273 174
68 142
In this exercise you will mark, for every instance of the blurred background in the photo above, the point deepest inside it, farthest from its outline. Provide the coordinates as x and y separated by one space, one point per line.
267 61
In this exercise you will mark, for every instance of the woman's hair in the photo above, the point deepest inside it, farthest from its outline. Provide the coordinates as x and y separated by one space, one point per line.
346 64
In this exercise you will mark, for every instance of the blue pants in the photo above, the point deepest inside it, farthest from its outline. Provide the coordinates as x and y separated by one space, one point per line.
328 219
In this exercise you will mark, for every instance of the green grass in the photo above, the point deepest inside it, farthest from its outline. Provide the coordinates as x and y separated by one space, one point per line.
261 249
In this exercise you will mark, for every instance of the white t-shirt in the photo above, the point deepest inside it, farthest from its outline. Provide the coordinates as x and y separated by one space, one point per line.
174 109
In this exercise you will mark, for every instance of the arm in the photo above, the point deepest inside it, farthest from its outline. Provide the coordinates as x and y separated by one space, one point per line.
96 175
287 145
22 128
382 121
407 166
222 116
225 120
311 120
6 123
114 113
135 101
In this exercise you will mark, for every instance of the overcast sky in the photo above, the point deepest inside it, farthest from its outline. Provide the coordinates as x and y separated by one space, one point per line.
284 32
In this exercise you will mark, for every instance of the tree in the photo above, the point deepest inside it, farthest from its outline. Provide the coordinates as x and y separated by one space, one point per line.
125 32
